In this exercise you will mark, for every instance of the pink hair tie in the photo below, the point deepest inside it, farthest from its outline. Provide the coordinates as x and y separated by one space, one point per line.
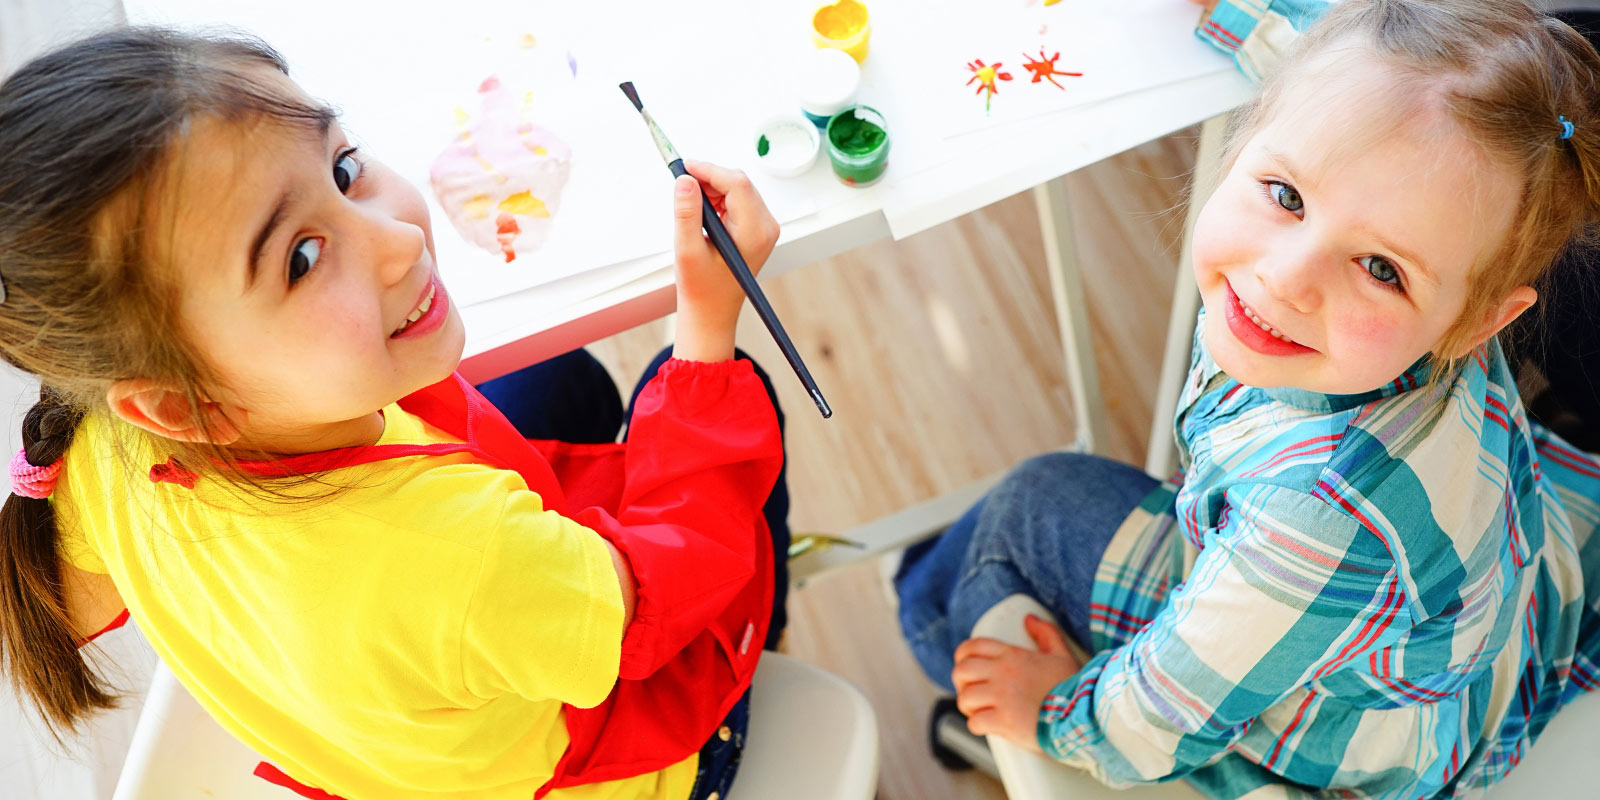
31 481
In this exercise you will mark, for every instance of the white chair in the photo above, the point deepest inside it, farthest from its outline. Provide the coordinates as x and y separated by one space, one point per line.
812 735
1559 766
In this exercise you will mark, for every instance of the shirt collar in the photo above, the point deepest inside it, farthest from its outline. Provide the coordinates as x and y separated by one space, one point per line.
1416 375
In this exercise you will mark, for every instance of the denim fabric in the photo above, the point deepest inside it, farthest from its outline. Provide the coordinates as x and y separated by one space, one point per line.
719 759
1040 532
569 398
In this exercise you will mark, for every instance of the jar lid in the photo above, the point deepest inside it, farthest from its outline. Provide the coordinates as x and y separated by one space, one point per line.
827 78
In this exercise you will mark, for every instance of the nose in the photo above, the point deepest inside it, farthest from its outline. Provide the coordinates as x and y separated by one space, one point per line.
394 245
1295 277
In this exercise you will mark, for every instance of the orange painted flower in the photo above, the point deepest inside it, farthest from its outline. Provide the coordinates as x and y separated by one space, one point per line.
986 75
1045 68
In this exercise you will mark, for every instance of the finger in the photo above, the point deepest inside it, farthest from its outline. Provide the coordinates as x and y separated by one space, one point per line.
971 670
975 698
1048 637
688 240
983 722
982 648
730 183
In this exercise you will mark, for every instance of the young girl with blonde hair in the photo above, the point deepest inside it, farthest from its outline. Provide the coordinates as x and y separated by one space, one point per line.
251 437
1374 577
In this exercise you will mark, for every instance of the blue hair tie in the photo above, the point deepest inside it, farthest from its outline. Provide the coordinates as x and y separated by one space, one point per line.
1566 129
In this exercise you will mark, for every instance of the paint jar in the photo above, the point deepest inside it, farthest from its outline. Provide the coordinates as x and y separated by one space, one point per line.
826 83
858 145
843 25
787 145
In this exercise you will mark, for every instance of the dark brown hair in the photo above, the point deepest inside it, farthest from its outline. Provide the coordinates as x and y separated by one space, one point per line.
85 138
1507 75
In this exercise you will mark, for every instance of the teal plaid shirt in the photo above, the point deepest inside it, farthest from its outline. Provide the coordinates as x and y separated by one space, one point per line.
1375 595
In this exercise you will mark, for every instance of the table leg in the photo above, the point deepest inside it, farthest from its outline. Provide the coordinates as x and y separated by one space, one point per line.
1161 458
1072 314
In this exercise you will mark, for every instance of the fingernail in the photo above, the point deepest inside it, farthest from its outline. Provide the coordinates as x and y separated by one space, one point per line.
685 188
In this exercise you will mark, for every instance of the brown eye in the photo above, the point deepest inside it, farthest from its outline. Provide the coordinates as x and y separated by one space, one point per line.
346 170
302 258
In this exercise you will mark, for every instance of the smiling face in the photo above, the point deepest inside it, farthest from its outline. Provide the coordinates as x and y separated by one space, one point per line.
306 278
1338 249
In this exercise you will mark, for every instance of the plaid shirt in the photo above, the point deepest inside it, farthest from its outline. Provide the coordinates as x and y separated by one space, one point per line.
1375 595
1257 33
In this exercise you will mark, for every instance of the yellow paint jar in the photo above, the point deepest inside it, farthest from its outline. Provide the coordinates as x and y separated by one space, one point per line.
843 25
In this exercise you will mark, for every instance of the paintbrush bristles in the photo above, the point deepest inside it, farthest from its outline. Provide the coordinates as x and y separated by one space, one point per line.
633 96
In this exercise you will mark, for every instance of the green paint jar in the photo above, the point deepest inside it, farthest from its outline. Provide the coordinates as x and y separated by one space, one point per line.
858 145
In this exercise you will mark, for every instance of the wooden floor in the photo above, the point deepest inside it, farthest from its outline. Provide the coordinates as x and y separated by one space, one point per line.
942 362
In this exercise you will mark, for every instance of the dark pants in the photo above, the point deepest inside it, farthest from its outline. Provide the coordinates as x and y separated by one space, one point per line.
571 398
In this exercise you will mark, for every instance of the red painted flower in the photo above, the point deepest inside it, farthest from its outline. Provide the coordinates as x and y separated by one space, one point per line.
986 75
1045 68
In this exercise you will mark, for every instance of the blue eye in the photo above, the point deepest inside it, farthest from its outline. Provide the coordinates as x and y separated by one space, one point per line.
302 258
1286 196
1381 269
345 170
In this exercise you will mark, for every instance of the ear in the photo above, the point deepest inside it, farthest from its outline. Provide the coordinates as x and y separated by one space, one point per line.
164 410
1519 300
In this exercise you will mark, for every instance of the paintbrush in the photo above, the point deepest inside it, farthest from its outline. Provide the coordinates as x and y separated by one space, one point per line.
730 256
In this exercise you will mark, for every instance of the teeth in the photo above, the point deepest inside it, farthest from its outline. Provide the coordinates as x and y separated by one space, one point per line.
416 313
1274 332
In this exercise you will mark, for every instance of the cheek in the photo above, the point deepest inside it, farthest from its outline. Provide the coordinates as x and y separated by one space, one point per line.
1222 234
1377 337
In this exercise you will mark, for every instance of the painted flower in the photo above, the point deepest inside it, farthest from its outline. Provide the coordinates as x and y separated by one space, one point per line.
986 75
1045 69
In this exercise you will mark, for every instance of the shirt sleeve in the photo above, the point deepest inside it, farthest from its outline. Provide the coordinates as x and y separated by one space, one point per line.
1258 33
704 451
1314 589
545 618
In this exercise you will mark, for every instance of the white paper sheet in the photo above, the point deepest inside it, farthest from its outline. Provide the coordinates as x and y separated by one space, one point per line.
398 75
1118 47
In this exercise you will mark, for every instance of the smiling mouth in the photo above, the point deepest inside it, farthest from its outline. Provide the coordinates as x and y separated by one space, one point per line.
416 313
1250 313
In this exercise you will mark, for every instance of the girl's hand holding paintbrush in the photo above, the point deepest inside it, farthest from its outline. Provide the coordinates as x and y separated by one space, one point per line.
709 298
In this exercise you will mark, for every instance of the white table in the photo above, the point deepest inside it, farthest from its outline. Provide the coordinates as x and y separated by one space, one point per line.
502 336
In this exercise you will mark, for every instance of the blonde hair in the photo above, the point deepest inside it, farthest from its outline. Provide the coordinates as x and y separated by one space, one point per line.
1508 76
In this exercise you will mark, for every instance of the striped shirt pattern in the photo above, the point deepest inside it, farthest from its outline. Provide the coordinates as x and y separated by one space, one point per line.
1256 33
1369 596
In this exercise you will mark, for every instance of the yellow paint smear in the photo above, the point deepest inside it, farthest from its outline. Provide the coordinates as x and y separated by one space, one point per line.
527 41
538 150
461 116
477 207
524 203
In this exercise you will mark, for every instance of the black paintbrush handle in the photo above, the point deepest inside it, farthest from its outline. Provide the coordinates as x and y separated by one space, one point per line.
720 239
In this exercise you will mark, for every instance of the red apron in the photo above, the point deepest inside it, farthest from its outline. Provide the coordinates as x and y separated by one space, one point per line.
676 684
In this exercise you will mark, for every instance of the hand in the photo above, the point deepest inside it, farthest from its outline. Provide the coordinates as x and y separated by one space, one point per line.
1208 5
999 687
708 296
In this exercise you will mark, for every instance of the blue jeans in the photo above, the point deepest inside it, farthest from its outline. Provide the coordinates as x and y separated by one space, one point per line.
1040 532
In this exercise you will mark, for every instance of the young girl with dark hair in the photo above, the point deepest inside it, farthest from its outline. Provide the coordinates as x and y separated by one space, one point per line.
251 437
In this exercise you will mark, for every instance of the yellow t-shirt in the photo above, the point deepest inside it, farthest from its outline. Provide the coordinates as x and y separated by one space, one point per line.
412 637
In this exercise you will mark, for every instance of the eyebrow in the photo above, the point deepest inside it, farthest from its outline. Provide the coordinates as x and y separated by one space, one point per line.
258 249
1405 255
280 210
